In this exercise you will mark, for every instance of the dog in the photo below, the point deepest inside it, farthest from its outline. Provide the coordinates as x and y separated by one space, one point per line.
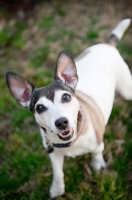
72 121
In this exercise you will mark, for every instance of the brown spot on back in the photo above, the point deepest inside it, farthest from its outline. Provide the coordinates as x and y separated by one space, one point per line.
93 112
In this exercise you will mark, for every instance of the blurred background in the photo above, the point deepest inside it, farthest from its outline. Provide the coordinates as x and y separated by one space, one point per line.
32 33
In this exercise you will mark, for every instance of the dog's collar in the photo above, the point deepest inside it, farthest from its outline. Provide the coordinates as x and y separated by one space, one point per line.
61 145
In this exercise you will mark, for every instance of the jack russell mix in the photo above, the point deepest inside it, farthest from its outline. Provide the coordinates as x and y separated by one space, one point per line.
72 122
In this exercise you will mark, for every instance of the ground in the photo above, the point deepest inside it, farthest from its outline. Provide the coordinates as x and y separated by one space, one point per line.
30 42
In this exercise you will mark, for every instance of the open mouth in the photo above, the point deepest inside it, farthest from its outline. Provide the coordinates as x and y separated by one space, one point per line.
66 135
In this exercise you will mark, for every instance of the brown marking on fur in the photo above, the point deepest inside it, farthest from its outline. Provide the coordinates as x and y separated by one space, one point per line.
82 123
79 121
93 112
83 54
83 119
48 92
112 40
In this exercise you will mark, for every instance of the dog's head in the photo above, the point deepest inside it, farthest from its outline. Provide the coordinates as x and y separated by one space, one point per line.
55 106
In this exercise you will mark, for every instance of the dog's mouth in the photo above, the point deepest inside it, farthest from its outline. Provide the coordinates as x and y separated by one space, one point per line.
66 135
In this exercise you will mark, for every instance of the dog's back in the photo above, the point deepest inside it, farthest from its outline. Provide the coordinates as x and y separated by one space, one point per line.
100 68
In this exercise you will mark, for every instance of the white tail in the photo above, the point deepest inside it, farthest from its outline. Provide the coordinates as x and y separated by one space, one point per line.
118 32
121 28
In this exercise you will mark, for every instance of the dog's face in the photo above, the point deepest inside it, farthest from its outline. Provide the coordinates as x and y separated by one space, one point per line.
55 106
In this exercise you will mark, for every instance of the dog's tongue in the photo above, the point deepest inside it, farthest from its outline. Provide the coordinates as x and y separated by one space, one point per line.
66 135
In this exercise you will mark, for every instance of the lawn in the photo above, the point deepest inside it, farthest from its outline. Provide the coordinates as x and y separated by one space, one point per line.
29 46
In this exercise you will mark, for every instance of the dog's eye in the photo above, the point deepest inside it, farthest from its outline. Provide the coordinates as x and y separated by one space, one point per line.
66 98
41 108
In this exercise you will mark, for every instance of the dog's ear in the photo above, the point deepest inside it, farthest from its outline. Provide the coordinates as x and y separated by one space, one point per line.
20 89
66 70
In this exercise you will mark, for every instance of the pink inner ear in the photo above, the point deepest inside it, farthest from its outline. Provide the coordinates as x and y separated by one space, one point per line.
67 78
68 74
20 90
26 94
22 94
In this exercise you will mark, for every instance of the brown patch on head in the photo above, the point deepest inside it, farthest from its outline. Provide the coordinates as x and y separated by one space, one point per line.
93 112
49 92
82 55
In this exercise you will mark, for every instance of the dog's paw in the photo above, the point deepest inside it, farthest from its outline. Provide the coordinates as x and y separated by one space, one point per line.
56 191
97 164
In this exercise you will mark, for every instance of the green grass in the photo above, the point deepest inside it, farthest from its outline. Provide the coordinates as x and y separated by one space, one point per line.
30 48
5 37
39 56
92 34
46 22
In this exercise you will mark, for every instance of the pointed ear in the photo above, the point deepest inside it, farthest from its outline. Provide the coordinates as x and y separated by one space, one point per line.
66 70
20 89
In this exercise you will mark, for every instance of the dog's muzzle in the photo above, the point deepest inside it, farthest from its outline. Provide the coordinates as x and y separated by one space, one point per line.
66 135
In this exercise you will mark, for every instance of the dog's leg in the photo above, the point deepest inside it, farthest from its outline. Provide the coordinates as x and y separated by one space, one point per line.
57 187
97 161
57 160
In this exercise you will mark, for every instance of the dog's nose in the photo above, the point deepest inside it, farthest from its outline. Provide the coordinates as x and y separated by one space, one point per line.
61 123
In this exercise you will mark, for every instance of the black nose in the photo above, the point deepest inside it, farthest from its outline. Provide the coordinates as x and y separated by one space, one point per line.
61 123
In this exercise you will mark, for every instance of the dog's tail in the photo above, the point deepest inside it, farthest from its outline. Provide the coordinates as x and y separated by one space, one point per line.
118 32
